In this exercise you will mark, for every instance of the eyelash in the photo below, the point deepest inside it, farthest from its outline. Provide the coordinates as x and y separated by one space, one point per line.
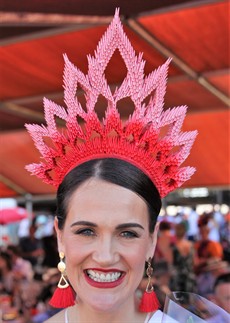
85 232
129 234
89 232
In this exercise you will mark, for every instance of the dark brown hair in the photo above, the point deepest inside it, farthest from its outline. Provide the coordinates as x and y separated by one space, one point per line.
111 170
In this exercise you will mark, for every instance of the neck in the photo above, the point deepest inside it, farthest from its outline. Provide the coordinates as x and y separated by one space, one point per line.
126 312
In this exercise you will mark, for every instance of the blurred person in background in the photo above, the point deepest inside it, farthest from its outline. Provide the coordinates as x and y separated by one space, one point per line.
183 278
51 256
163 252
31 247
225 234
193 230
6 274
163 257
208 275
207 252
219 217
214 225
204 247
22 269
46 234
222 291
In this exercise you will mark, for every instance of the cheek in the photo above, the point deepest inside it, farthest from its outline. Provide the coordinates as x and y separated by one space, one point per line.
136 255
75 253
135 261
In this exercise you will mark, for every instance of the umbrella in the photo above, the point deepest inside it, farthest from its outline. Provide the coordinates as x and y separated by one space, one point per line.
10 215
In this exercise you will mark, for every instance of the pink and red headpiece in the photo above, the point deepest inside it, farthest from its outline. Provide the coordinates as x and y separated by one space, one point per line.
137 141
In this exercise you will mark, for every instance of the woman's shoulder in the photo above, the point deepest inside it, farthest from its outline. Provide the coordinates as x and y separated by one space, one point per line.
57 318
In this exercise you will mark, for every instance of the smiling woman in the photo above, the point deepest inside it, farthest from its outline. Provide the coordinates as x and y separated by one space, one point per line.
106 214
110 178
106 233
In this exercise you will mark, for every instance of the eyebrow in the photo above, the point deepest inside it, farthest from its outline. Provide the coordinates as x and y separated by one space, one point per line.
90 224
119 227
129 225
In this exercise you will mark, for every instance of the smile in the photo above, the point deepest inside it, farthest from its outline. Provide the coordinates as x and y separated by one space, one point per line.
103 277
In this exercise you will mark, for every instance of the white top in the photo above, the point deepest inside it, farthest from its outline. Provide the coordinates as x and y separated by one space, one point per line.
155 318
159 317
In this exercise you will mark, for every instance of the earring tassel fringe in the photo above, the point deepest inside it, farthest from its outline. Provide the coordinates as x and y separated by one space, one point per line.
149 302
63 297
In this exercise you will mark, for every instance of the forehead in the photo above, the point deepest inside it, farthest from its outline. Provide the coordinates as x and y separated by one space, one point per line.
223 288
204 228
96 198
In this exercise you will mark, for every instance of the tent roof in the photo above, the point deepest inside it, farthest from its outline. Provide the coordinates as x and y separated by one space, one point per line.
194 33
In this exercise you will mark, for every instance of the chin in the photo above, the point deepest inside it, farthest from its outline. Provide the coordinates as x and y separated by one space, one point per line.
105 303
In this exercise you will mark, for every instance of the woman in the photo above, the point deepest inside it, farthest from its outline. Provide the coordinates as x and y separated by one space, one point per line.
111 178
107 210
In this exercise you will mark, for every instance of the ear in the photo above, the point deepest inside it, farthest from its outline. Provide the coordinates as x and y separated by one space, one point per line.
153 243
59 236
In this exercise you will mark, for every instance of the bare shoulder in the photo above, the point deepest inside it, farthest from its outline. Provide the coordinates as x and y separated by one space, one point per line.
57 318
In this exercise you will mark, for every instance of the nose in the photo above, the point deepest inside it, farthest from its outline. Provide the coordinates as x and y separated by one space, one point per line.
105 252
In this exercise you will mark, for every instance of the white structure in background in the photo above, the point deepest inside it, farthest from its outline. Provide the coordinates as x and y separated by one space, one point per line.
193 229
44 225
24 228
8 203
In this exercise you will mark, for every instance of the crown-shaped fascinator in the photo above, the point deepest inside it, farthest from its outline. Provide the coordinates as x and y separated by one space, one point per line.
139 140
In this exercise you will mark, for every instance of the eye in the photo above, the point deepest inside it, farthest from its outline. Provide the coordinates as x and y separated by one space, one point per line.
129 234
85 232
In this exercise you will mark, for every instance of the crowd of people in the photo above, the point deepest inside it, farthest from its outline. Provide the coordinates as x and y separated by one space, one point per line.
190 257
193 259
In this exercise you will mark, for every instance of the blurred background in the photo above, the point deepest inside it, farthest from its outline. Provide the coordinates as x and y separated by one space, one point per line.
34 35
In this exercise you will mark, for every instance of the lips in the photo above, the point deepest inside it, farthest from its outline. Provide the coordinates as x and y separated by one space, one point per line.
104 278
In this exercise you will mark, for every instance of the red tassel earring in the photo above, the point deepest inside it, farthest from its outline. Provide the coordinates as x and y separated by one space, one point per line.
64 295
149 302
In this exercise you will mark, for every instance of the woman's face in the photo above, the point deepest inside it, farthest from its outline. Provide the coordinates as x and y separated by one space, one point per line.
106 242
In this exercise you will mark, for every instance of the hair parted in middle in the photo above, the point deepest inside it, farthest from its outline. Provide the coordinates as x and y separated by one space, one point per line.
114 171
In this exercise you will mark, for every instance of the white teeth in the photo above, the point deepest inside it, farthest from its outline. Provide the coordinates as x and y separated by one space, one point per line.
110 277
90 272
